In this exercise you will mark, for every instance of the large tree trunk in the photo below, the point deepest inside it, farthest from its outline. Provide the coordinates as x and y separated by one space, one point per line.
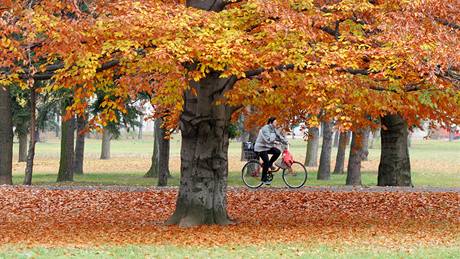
6 137
80 146
311 159
358 152
22 151
394 168
66 164
204 155
340 159
105 148
33 140
324 170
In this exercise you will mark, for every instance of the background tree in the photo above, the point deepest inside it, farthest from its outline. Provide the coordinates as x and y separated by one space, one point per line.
324 170
6 137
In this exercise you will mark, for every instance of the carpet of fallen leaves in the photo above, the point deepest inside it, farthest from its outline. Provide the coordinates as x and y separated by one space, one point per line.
40 216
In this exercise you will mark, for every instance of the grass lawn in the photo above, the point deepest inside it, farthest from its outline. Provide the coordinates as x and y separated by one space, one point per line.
433 162
266 251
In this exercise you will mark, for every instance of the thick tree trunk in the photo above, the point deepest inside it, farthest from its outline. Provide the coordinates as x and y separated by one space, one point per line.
204 155
394 168
6 137
79 146
324 170
33 141
105 147
340 159
22 152
311 159
358 153
66 164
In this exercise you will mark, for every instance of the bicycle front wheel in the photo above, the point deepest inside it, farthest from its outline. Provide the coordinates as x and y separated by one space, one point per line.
295 176
251 174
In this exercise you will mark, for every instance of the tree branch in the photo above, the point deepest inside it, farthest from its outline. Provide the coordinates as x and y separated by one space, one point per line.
448 23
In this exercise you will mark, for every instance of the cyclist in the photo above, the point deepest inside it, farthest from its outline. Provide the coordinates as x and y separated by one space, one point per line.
266 143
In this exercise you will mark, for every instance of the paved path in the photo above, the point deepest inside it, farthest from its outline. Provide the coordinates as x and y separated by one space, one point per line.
232 188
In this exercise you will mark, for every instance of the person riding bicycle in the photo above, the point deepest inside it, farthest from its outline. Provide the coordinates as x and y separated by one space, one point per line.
266 143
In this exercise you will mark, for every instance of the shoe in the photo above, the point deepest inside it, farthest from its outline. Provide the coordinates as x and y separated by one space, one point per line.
267 182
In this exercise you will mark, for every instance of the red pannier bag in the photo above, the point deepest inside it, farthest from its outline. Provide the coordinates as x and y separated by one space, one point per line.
287 158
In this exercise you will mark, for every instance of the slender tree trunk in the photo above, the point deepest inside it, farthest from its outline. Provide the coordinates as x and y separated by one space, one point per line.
105 148
204 154
141 127
394 168
340 159
6 137
32 142
375 136
66 164
311 159
57 130
324 170
163 158
22 154
336 138
80 146
365 144
358 152
154 166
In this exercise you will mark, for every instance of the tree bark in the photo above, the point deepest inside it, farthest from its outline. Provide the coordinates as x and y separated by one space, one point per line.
6 137
163 158
33 141
66 164
80 146
365 144
336 138
105 148
141 127
154 166
340 159
22 154
394 168
204 154
324 170
357 154
311 159
375 135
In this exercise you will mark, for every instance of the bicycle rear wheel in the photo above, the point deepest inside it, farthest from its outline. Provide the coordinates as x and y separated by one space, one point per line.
295 176
251 174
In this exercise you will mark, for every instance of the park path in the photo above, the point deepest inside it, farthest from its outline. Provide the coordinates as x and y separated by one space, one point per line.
236 189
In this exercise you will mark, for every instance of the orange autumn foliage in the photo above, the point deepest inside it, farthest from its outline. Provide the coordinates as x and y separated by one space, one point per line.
351 61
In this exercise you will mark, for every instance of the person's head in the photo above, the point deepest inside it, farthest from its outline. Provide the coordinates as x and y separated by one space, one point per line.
272 121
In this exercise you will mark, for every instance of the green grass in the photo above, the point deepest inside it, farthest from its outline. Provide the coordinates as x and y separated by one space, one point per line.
434 163
285 250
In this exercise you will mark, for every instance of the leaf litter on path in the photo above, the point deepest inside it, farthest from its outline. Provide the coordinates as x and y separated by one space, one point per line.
41 216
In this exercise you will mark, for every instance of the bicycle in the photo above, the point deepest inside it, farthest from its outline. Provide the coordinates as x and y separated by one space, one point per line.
294 176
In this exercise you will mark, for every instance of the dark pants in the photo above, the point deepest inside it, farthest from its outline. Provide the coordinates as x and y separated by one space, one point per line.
268 163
